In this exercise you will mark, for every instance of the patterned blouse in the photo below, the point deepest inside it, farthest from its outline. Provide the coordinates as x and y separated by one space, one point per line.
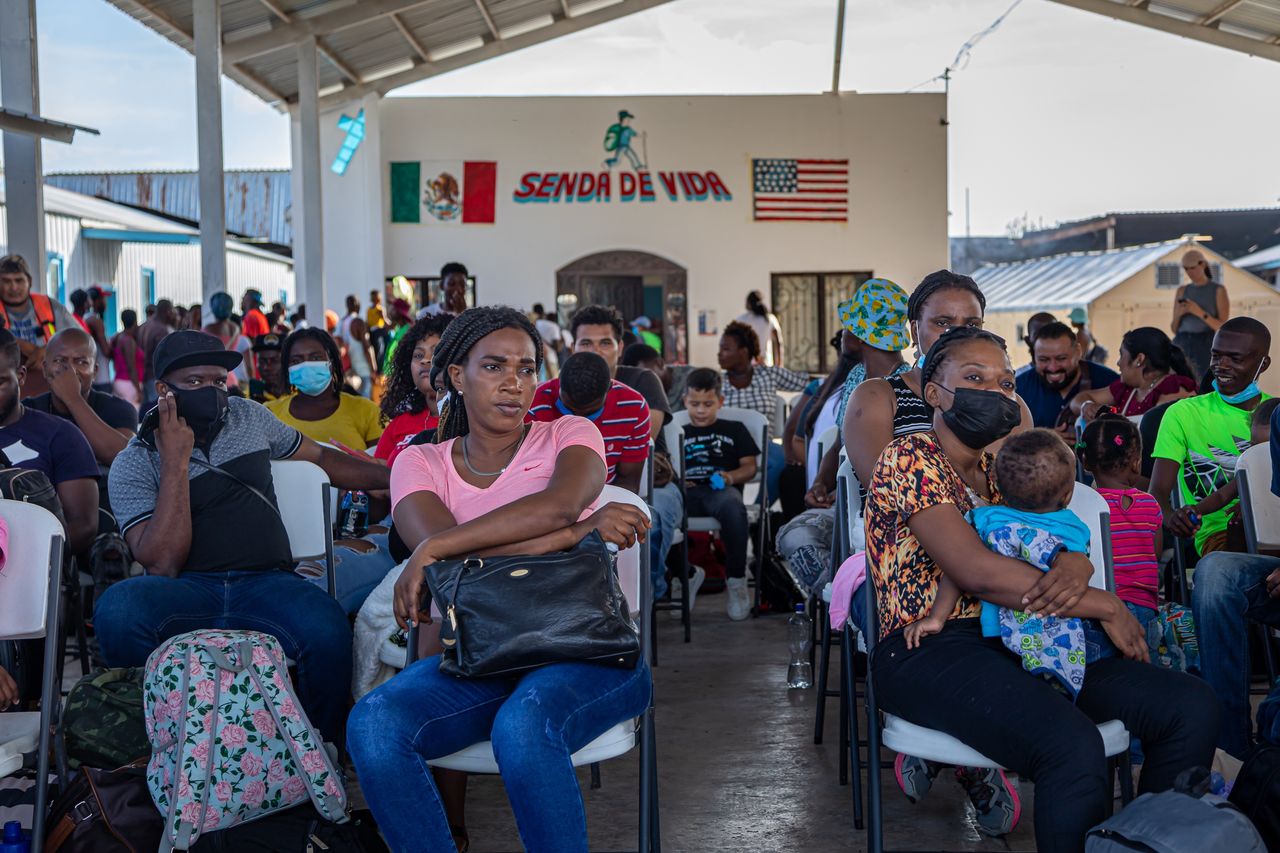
913 474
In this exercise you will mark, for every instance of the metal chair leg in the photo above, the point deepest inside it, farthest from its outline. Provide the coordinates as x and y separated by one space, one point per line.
844 730
848 649
823 664
685 616
875 825
1125 769
50 695
595 775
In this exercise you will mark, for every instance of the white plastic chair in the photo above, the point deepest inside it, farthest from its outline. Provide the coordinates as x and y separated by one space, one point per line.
305 500
633 577
1259 507
758 425
30 586
828 437
902 736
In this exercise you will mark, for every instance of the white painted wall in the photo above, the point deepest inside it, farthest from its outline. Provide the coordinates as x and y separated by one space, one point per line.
896 145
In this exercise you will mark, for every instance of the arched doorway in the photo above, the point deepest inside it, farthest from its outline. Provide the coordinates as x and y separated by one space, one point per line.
635 283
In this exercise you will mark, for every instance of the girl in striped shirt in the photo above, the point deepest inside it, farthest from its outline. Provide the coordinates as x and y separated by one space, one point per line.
1110 449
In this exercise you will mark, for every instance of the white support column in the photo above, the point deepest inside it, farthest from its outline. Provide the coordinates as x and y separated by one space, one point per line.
213 218
23 172
309 249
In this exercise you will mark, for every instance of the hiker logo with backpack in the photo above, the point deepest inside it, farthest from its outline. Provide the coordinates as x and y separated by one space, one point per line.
230 742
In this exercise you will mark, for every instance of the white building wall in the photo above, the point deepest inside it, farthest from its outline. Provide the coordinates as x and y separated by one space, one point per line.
897 228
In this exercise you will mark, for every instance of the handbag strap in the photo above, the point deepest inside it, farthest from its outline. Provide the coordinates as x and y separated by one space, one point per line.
450 613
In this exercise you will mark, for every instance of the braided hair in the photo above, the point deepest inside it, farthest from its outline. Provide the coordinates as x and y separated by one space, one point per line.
330 349
456 344
945 345
1109 443
402 394
942 280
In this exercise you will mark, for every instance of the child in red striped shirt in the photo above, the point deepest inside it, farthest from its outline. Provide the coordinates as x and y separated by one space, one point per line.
1110 448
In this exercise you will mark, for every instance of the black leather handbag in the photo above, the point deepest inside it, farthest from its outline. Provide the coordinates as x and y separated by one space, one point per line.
504 615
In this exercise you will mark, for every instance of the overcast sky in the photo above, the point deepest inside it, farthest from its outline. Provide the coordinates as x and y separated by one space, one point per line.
1060 114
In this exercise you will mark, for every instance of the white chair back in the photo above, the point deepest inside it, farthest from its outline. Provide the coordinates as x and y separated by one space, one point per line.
629 563
33 557
300 495
756 423
853 512
1093 510
1261 507
826 439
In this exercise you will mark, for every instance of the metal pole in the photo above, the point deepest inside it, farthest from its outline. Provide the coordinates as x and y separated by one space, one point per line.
835 65
23 172
208 50
311 289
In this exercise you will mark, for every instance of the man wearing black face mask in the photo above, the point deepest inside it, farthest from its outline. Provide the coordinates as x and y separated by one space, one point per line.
195 479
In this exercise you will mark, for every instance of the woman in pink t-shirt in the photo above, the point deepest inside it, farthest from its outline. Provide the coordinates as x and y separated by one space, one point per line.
493 485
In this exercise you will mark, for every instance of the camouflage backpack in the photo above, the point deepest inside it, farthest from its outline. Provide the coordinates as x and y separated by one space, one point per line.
104 723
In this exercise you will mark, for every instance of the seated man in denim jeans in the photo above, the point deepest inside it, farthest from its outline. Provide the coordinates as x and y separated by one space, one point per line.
194 498
720 456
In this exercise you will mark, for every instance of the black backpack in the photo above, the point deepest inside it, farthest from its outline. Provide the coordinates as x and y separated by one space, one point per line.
33 487
300 829
1256 792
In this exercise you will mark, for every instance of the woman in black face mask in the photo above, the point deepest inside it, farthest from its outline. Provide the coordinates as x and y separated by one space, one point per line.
969 686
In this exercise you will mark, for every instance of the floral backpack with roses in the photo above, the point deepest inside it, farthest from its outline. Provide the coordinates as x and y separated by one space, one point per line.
229 740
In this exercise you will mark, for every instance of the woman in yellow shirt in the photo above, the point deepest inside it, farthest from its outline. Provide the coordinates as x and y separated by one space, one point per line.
317 408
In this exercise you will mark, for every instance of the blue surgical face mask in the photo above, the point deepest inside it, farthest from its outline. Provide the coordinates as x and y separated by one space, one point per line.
564 410
920 361
1250 391
312 378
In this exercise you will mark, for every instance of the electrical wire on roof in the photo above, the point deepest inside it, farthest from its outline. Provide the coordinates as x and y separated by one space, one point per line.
962 56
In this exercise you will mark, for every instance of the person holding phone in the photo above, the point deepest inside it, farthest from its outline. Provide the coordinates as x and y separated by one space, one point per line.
1199 310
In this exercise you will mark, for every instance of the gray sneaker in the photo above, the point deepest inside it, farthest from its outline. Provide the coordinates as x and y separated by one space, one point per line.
994 797
737 599
696 576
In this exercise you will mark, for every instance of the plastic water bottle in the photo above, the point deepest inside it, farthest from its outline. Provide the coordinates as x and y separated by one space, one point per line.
799 671
15 839
355 514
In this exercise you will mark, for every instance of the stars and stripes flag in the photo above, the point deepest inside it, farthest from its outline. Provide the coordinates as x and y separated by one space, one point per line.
800 190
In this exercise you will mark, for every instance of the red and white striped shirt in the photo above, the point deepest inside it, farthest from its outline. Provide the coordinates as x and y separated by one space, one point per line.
623 422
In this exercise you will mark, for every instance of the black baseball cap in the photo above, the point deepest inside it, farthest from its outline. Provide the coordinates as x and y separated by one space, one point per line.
189 348
269 341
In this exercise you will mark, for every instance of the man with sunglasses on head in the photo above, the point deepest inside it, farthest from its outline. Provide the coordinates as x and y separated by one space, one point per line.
1199 310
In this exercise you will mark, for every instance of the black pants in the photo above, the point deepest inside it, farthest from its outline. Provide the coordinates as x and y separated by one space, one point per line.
973 689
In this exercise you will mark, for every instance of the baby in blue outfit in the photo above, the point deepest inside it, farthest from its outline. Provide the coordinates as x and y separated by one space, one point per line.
1035 473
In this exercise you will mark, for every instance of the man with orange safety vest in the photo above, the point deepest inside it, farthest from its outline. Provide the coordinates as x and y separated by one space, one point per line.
33 318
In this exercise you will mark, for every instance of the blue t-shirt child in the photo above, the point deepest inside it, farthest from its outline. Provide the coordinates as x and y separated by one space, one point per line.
1050 645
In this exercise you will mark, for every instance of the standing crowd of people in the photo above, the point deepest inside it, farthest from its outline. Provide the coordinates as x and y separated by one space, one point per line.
477 430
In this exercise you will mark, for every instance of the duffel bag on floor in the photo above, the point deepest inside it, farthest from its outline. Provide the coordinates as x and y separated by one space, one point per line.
297 830
105 811
1174 822
1256 792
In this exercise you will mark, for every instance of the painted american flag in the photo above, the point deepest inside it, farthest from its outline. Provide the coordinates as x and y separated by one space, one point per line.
800 190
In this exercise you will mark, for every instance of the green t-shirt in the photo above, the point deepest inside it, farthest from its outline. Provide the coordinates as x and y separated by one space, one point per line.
1204 435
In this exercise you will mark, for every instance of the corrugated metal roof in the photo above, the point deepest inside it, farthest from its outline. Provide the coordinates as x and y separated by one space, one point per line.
99 213
371 45
1266 259
1064 281
257 201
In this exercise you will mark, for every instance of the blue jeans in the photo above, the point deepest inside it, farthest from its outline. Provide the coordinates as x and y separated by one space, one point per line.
357 573
668 506
536 721
773 470
1218 602
726 507
135 616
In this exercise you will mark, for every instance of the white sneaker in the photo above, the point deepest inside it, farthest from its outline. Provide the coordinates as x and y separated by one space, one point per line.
696 576
737 600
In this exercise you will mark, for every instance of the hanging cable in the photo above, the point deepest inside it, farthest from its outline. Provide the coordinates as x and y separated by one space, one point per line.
962 55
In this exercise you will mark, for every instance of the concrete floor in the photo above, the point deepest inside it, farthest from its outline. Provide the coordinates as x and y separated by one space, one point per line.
737 766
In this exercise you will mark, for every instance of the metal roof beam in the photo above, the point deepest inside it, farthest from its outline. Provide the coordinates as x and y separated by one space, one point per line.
490 50
410 38
13 121
1212 19
1264 49
337 62
323 24
488 19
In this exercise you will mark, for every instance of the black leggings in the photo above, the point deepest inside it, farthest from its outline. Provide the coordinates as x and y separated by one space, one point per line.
970 687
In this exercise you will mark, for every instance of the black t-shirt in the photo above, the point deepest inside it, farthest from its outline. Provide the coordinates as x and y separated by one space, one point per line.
650 387
718 447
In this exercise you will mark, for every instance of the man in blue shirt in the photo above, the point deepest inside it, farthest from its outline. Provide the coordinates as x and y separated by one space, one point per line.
42 442
1058 373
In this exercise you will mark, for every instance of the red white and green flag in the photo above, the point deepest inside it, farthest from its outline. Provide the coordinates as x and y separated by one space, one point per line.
444 192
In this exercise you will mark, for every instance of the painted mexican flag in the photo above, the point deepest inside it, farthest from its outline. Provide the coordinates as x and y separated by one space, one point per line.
446 192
